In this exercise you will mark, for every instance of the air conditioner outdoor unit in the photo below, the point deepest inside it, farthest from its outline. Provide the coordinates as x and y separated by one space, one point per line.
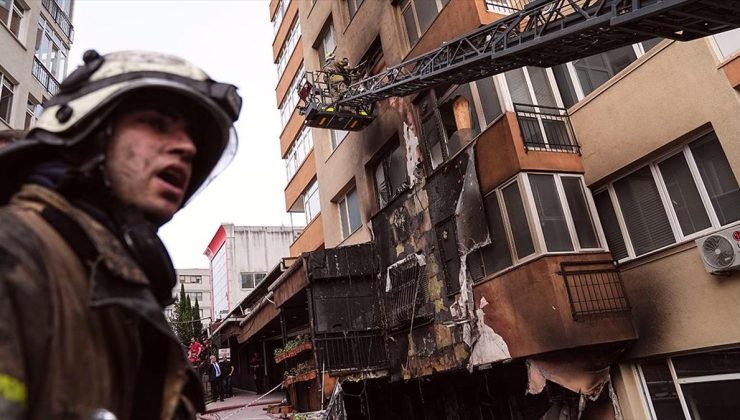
720 250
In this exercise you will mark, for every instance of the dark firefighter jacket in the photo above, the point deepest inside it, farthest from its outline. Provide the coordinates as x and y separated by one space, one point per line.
78 336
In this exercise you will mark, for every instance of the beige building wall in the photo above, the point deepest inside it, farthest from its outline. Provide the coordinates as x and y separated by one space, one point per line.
17 59
658 103
204 288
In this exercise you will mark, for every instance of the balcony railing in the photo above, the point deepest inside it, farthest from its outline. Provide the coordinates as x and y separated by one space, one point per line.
405 293
546 128
595 289
505 7
44 77
60 17
351 350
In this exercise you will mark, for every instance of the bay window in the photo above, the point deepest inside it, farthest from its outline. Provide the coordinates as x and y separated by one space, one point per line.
298 152
418 15
50 50
535 214
291 40
311 203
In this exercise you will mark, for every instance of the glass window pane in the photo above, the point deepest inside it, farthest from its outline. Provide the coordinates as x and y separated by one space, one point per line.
518 221
620 58
580 212
650 44
565 85
592 72
4 11
408 19
704 364
643 212
426 11
489 99
353 208
610 225
497 255
541 85
684 195
552 217
15 21
712 400
662 390
518 88
6 100
718 178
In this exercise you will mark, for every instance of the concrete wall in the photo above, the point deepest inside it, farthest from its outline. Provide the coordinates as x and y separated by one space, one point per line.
669 92
255 249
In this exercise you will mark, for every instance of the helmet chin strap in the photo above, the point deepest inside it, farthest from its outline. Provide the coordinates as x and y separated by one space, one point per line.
130 225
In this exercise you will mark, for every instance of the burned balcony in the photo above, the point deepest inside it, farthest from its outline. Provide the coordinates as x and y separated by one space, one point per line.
353 350
595 289
346 315
546 128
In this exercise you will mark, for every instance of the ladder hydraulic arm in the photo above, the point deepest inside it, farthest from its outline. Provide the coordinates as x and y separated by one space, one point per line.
543 33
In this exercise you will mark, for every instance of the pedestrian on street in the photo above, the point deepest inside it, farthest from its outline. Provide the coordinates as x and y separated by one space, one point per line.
84 278
228 372
215 377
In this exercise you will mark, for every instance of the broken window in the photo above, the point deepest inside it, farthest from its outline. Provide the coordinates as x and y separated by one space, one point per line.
449 121
495 256
390 174
373 59
448 250
406 292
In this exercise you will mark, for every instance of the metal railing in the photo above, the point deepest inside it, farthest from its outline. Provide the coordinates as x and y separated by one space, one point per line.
44 76
595 289
60 17
505 7
353 350
546 128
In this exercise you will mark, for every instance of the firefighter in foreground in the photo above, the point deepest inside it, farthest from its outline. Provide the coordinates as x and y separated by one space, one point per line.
130 137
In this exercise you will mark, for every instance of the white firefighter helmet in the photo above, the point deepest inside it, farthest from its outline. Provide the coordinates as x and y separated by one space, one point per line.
93 92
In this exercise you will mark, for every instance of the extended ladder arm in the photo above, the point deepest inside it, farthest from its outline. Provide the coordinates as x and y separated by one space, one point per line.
543 34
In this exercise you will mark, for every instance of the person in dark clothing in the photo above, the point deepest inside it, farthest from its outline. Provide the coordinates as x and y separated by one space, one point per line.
215 377
128 140
228 372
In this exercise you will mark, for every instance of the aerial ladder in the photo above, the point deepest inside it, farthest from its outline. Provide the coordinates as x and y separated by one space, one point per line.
543 33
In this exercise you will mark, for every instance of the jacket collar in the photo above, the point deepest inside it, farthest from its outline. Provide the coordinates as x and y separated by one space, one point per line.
113 254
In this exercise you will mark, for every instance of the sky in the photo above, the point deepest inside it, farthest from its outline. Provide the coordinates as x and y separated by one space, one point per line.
232 42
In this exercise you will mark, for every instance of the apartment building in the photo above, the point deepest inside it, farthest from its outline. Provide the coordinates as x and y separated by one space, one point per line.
296 141
240 257
520 246
197 283
35 40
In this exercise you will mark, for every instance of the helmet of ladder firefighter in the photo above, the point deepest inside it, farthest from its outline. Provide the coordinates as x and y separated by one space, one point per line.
95 91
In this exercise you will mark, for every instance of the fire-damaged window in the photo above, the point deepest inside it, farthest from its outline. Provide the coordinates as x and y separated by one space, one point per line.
406 293
450 120
447 242
390 173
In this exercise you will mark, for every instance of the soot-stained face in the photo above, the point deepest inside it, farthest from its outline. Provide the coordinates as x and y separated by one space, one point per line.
149 162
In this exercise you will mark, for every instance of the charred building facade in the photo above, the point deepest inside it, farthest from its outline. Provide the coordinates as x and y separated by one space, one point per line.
517 247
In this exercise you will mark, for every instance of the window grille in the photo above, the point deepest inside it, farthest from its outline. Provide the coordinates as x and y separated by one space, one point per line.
593 289
406 292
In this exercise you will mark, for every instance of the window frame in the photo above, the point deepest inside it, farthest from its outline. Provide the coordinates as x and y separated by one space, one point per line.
665 198
288 47
291 99
6 82
677 383
252 275
533 219
321 42
336 138
353 5
384 163
344 213
302 144
308 194
45 30
440 4
279 15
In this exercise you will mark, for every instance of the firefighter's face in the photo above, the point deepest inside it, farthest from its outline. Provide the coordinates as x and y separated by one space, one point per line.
149 162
